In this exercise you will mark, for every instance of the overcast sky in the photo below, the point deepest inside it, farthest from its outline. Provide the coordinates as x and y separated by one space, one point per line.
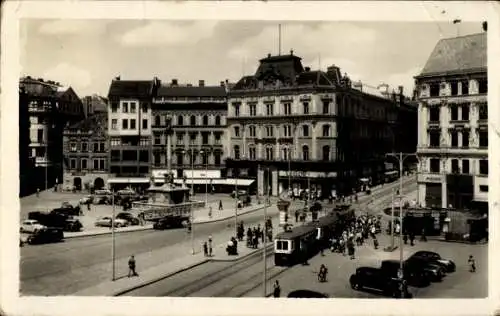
87 54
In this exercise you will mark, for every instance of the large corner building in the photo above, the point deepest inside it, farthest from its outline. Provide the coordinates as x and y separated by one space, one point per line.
453 124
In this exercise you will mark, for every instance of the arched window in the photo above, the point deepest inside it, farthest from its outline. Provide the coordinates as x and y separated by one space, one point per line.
193 120
252 152
285 151
252 131
326 130
326 153
157 120
217 120
180 120
205 120
305 152
236 152
269 153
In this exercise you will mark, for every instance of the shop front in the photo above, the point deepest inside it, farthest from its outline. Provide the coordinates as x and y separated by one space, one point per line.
321 183
431 190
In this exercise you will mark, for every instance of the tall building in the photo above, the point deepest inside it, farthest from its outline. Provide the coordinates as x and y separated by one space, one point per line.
44 110
129 131
86 153
453 124
291 127
197 117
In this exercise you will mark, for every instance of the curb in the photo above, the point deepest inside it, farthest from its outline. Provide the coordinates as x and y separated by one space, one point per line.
150 228
171 274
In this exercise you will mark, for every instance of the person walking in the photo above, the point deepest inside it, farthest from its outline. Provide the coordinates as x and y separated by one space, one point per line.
37 192
220 205
296 216
472 264
423 237
131 267
210 245
350 248
205 249
276 289
412 238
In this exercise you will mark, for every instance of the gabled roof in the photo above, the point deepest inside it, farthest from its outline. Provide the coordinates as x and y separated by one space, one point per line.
458 54
191 91
130 88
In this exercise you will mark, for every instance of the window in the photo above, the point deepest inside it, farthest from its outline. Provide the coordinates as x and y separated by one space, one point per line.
217 139
269 153
305 130
132 107
454 166
114 124
434 138
96 164
217 120
217 158
125 124
204 138
326 153
326 106
101 147
125 107
114 107
465 139
84 164
483 139
39 135
236 131
465 112
237 109
285 152
434 164
483 188
465 87
483 85
287 131
72 163
204 158
180 120
144 141
156 159
253 109
454 112
465 166
236 152
434 114
180 158
326 130
144 107
144 124
72 147
252 131
454 88
287 108
454 139
157 140
269 131
205 120
180 139
252 153
269 109
95 147
132 123
434 89
305 152
305 106
483 111
282 245
157 120
85 147
483 166
193 120
115 142
102 164
192 138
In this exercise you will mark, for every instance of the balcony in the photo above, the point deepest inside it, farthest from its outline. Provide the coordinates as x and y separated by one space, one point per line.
453 151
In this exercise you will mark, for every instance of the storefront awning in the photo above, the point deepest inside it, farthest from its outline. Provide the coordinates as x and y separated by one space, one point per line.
128 180
242 182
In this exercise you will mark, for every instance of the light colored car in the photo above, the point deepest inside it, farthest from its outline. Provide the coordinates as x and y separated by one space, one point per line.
86 199
106 222
31 226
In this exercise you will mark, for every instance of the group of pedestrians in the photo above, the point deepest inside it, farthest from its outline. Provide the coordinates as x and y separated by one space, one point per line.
254 235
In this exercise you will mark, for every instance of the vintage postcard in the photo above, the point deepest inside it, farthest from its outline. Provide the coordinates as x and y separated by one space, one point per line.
249 158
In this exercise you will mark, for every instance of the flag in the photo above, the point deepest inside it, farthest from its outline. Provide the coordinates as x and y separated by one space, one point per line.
457 21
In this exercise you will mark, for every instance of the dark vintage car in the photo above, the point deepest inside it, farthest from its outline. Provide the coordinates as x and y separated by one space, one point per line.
306 294
46 235
130 218
57 219
378 280
433 258
415 274
171 222
68 209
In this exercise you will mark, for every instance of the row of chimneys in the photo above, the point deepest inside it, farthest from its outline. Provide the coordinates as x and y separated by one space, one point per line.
201 83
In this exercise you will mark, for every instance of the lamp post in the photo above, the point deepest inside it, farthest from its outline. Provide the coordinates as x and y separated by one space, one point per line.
264 254
236 206
206 152
192 193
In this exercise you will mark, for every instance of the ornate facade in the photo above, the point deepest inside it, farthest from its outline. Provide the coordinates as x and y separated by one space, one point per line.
453 124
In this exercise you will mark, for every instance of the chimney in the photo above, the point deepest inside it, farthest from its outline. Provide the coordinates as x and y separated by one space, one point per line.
201 83
308 69
174 82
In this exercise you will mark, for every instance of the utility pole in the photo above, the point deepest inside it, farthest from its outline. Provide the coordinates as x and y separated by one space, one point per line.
113 239
265 245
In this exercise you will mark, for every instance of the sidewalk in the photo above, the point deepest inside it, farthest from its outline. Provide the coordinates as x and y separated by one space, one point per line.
124 284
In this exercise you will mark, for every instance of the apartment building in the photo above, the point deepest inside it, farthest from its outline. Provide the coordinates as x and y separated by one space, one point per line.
293 128
196 117
453 124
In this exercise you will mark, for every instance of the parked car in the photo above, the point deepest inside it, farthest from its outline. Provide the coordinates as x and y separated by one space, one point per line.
106 222
240 193
31 226
434 258
171 222
68 209
103 199
57 219
415 275
306 294
88 199
130 218
45 235
378 280
434 272
73 225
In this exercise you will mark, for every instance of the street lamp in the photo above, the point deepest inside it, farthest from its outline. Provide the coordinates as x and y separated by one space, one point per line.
206 152
192 193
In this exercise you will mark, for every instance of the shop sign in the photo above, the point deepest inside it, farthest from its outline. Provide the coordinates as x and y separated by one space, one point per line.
430 178
202 174
307 174
161 173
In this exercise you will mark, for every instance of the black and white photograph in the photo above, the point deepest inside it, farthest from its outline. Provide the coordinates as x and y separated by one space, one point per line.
275 158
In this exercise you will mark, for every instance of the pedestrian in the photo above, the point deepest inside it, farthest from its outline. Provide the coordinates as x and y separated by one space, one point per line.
220 205
210 212
412 238
276 289
205 249
375 243
210 245
131 267
405 238
350 248
88 205
373 231
472 264
423 237
296 216
37 192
